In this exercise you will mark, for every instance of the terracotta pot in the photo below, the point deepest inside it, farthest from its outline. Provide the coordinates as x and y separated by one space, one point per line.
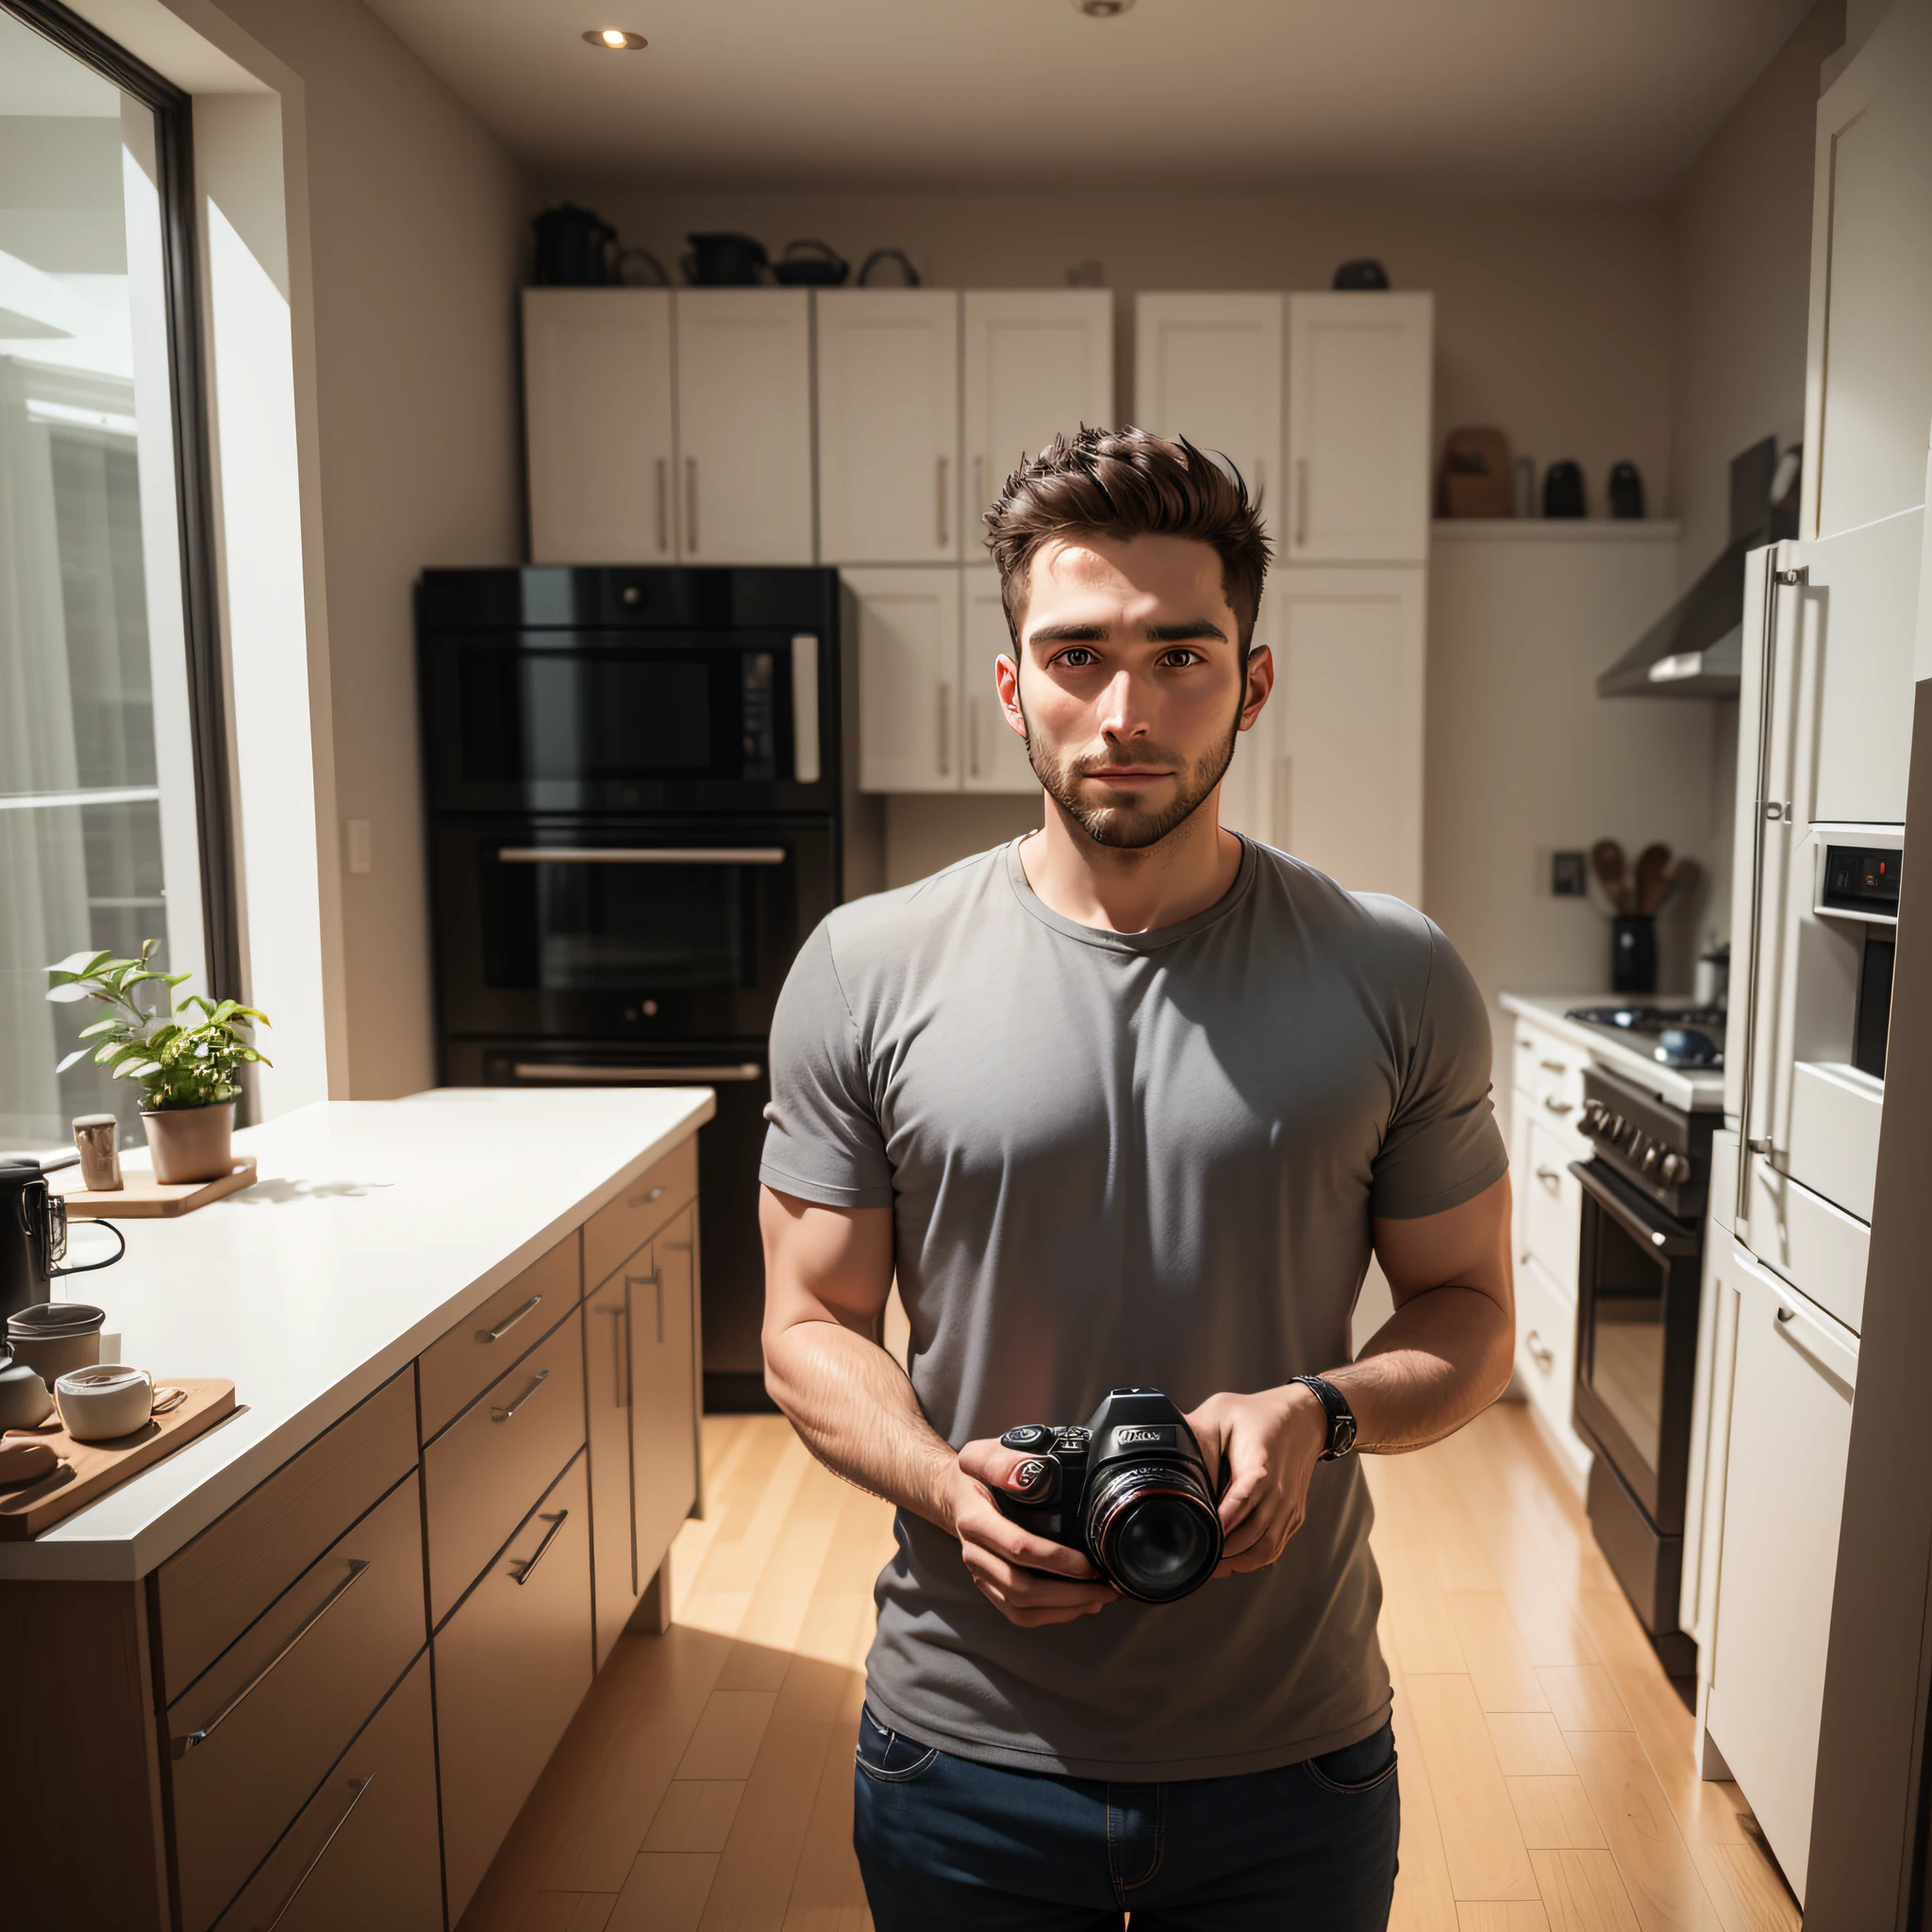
191 1143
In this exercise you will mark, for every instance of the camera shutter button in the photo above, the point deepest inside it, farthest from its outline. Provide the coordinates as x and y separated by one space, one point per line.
1026 1436
1031 1476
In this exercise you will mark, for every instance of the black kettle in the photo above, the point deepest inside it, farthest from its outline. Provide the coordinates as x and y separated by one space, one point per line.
574 249
33 1234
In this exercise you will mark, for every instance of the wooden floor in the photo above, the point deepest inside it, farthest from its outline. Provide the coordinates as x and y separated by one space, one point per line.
1547 1777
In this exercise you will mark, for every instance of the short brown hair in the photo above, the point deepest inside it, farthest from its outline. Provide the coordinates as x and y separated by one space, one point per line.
1127 483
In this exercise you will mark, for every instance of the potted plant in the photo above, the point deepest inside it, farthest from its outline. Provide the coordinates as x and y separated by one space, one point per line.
186 1065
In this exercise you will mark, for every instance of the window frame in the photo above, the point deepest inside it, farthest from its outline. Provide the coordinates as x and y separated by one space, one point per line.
208 708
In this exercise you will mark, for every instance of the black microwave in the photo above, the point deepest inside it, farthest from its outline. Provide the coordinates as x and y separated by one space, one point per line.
631 689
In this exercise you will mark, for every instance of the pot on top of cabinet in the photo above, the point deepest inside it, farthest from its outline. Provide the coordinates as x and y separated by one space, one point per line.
721 260
808 264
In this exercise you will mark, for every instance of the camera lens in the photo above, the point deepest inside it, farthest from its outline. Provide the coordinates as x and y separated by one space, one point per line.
1154 1531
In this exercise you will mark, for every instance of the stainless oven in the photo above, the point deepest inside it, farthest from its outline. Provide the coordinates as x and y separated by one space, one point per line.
624 931
1639 1266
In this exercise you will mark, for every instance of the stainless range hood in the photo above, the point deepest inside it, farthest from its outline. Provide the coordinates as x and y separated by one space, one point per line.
1695 649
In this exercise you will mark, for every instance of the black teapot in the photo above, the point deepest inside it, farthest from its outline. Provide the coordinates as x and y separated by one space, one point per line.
33 1233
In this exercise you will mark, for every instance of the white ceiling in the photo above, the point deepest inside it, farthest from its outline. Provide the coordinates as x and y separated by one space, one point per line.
1544 99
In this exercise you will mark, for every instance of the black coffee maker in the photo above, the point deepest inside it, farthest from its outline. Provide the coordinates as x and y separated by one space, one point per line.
33 1234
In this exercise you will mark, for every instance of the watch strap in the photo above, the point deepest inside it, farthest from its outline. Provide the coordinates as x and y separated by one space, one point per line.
1341 1417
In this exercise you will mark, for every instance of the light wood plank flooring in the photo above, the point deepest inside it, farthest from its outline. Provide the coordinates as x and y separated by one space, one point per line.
1548 1783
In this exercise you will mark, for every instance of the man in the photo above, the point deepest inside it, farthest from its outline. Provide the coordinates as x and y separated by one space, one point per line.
1129 1102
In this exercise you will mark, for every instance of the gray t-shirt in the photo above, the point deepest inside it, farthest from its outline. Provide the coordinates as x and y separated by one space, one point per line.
1120 1159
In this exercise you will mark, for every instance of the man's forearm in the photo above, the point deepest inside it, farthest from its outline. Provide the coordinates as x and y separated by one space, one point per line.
1441 1359
855 1408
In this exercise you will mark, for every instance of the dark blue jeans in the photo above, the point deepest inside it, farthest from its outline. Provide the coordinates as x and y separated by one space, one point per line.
947 1842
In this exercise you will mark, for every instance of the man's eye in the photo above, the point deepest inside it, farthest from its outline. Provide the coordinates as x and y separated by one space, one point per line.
1078 659
1184 658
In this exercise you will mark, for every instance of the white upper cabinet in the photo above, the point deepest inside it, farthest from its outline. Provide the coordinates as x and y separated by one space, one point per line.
1209 368
745 484
598 424
1038 361
1359 367
909 670
889 426
1868 391
995 752
1346 787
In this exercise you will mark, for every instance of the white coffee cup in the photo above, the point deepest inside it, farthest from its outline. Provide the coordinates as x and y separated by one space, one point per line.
100 1403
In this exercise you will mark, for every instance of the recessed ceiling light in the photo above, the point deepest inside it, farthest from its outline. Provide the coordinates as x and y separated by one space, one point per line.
613 40
1102 10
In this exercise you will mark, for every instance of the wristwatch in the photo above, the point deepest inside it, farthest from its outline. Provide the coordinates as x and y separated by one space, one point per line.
1341 1417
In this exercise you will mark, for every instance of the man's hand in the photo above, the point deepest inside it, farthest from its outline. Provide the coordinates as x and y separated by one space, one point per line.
1001 1558
1269 1445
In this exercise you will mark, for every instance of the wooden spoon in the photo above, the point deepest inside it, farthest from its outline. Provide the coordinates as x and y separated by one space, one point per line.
1612 872
1653 877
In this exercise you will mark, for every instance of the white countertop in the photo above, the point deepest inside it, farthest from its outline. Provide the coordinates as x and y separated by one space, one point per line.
1696 1090
372 1226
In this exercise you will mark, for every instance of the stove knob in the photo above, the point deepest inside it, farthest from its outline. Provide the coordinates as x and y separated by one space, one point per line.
1619 1127
1651 1152
1672 1169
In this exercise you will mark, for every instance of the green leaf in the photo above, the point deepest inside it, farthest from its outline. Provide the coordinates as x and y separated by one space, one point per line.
65 994
106 1025
161 1035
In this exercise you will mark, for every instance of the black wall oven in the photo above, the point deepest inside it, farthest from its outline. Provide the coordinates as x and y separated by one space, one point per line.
638 810
1638 1284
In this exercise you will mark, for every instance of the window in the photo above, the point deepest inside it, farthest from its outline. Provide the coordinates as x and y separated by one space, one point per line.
113 824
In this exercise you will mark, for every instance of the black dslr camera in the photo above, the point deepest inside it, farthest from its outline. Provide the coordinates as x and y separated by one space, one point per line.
1131 1490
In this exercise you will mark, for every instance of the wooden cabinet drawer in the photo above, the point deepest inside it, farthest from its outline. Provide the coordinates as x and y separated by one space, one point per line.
1556 1078
214 1589
364 1852
661 1286
249 1742
1551 1207
617 1231
511 1667
1546 1346
607 1406
480 1474
452 1370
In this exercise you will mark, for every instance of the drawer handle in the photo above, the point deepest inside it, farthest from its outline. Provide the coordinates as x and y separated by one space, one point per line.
556 1522
321 1851
620 1349
645 1199
1785 1314
1550 1177
1540 1353
1556 1105
1554 1066
503 1415
182 1745
508 1321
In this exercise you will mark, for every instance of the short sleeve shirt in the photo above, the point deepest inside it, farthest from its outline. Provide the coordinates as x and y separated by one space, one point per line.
1131 1158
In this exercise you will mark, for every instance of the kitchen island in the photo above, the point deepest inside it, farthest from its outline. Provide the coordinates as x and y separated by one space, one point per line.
462 1329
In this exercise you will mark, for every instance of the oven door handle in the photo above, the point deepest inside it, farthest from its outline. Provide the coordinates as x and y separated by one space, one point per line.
641 855
1660 1241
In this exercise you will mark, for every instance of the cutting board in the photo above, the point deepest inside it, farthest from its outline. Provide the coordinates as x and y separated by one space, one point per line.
89 1470
145 1199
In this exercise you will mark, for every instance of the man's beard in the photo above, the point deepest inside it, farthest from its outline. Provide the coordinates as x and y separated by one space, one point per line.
1131 827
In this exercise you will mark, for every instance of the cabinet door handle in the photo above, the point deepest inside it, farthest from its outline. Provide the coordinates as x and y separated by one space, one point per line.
508 1321
691 505
503 1415
1540 1353
1301 502
645 1199
307 1871
1550 1177
945 730
620 1311
1556 1105
182 1745
656 1281
663 507
1554 1066
542 1549
945 529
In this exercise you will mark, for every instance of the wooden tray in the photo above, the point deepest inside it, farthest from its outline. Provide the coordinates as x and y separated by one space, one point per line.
88 1470
148 1200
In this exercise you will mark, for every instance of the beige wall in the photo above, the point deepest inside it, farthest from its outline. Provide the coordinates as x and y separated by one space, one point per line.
1551 323
416 219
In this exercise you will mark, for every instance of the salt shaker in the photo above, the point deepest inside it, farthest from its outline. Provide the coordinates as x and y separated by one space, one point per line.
100 1165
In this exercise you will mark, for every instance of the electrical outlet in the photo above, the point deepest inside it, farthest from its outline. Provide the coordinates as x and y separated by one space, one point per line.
1568 877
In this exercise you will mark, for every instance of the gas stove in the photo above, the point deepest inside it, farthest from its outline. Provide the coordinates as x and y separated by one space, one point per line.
1661 1150
1682 1035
